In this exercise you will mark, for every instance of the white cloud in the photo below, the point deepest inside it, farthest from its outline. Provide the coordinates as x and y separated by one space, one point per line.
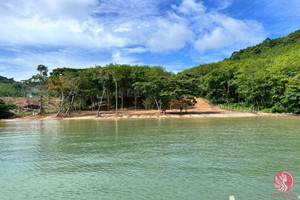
69 8
60 32
23 65
190 7
48 8
121 29
230 32
169 36
110 24
135 50
223 4
119 58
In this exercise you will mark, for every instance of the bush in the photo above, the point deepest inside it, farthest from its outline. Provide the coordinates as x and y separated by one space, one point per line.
278 108
4 109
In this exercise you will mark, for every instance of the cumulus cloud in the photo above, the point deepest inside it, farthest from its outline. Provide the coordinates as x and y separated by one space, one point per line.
190 7
230 32
108 24
121 29
168 36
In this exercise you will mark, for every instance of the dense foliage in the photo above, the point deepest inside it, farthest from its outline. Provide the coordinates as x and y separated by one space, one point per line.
11 88
4 109
266 76
117 86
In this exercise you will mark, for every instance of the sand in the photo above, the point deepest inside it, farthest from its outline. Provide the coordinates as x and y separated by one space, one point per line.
202 109
143 114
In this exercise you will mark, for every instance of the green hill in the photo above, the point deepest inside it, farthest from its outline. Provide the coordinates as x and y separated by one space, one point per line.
265 76
9 87
270 48
6 80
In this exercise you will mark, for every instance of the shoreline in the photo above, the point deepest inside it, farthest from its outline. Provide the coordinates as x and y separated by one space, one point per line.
202 109
88 115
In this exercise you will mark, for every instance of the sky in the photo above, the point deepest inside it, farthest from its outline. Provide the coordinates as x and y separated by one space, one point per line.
175 34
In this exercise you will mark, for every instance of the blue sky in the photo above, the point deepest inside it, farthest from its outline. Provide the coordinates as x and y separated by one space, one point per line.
174 34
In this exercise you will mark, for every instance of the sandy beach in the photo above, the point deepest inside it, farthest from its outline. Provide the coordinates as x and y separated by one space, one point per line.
142 114
202 109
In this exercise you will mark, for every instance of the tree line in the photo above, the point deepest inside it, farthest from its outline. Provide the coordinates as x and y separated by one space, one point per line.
112 87
265 76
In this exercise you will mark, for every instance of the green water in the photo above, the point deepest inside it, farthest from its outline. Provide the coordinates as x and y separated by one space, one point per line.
148 159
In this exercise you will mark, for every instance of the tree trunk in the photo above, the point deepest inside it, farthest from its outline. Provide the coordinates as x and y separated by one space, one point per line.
61 104
80 102
116 85
53 104
108 93
92 103
99 103
158 108
122 100
71 104
135 98
180 106
227 91
41 104
122 89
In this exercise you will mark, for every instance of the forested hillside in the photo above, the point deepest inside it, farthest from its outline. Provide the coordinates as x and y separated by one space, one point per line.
11 88
264 77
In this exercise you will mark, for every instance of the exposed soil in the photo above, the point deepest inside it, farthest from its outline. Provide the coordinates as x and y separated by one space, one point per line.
21 101
27 104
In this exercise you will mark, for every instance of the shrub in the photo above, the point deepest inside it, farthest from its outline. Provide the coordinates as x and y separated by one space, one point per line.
4 109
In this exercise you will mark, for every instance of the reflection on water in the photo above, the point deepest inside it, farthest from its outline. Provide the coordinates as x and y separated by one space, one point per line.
147 159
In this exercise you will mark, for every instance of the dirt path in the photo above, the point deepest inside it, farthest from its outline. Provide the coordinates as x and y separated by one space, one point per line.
203 106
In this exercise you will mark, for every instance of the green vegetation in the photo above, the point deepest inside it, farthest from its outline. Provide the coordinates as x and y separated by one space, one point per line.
9 87
41 79
131 86
4 109
12 88
265 77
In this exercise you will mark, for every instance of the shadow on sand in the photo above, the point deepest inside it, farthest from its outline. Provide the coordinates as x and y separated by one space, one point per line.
192 113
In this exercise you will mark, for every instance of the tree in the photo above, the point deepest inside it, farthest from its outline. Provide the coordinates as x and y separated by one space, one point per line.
4 109
41 79
186 87
138 74
157 86
291 98
115 72
102 77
